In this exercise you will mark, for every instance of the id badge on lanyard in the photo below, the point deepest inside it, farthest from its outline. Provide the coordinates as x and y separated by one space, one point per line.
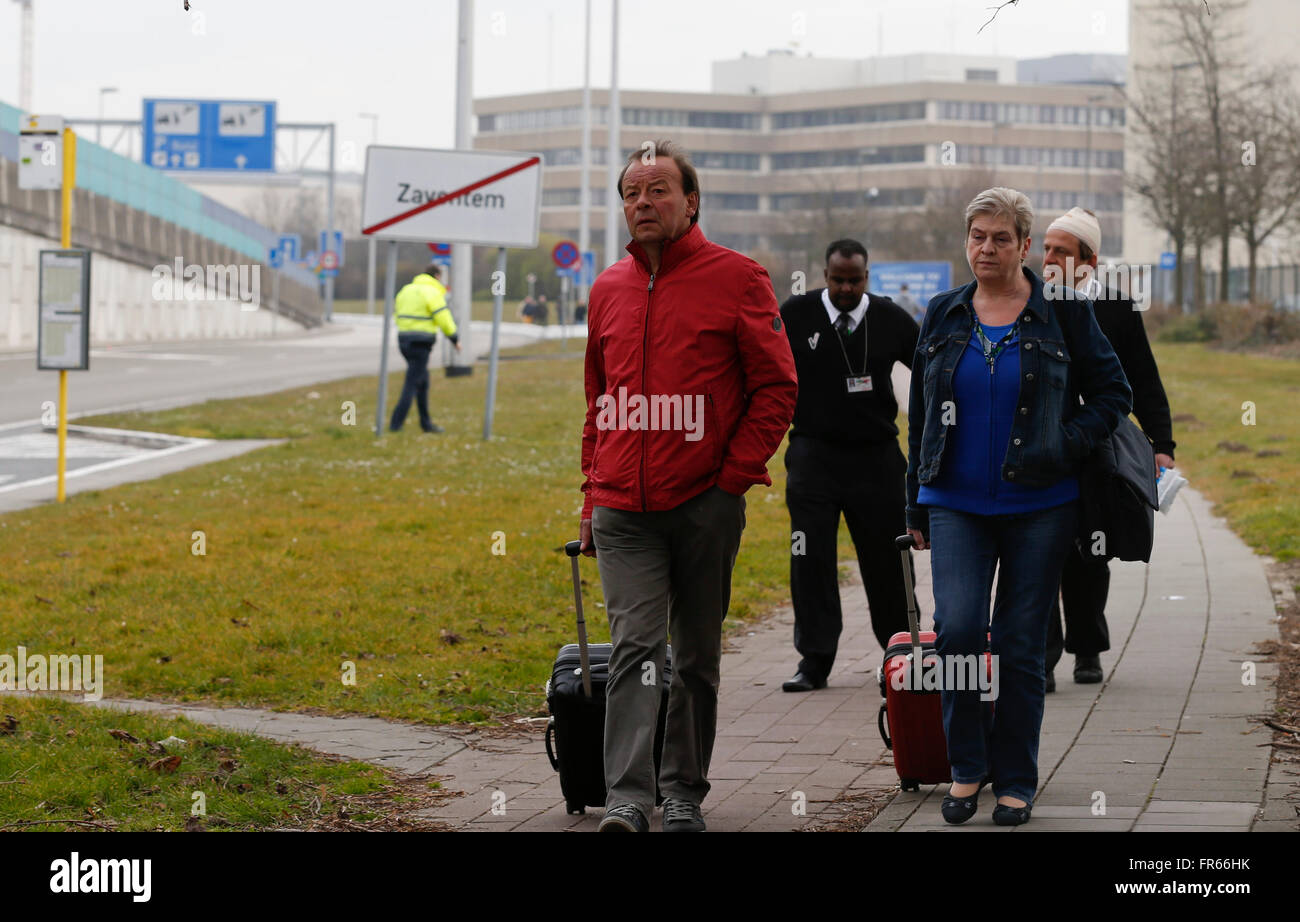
861 382
858 384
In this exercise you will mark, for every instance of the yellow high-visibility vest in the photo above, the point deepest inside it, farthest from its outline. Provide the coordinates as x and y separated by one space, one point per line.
421 307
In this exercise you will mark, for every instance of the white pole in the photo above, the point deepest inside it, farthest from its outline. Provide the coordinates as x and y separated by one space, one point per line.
390 284
614 208
584 191
462 256
329 236
370 275
495 354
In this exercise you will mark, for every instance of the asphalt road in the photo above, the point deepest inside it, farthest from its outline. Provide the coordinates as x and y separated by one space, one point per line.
159 375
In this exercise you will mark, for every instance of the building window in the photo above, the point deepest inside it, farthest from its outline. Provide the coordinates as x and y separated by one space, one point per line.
728 201
724 160
683 118
849 115
978 75
853 156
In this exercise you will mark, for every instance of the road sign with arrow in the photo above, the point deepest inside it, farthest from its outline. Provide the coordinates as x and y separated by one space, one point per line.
201 134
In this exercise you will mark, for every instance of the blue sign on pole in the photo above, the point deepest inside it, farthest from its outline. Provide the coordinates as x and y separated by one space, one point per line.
201 134
289 245
336 246
588 269
275 257
1168 260
924 280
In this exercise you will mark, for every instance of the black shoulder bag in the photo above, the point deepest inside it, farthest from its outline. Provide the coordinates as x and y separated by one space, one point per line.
1117 493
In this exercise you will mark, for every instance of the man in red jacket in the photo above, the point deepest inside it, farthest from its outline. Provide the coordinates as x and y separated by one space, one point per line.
690 388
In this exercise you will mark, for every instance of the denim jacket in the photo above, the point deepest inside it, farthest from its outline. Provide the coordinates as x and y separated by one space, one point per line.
1063 356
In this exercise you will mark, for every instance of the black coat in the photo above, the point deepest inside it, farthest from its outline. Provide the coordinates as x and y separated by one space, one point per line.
1123 326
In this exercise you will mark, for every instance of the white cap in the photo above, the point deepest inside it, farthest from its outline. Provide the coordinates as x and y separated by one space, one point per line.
1078 222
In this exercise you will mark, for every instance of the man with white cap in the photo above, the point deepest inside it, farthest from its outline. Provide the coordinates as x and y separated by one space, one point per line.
1070 249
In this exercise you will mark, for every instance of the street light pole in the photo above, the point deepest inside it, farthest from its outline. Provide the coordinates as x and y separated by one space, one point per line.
103 91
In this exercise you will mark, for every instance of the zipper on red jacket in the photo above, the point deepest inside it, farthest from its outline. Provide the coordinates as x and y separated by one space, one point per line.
645 360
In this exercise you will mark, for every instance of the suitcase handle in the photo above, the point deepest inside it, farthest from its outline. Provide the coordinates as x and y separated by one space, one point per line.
550 752
573 548
905 543
880 722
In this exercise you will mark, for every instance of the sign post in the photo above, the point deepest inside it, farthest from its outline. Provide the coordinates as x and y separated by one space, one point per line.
455 196
63 309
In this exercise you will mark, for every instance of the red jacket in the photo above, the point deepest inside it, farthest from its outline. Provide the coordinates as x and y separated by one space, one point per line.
689 377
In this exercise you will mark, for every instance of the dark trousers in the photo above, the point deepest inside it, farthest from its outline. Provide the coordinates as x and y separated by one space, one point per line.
1085 584
865 484
665 573
416 386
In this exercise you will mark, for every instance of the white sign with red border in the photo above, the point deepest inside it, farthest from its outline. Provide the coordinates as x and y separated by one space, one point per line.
489 198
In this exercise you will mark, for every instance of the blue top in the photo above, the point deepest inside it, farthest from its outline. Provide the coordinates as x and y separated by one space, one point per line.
970 477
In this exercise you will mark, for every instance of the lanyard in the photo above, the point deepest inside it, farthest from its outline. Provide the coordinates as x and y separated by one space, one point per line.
840 339
991 350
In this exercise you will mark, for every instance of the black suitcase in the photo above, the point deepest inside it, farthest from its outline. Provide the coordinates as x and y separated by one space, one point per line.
575 695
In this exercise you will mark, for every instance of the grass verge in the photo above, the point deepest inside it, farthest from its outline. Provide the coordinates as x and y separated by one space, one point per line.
126 771
414 577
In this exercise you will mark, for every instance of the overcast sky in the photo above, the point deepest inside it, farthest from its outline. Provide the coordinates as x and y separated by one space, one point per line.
329 60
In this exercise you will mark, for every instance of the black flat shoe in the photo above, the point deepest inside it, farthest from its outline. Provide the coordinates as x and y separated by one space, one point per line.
802 683
957 810
1050 685
1087 670
1004 815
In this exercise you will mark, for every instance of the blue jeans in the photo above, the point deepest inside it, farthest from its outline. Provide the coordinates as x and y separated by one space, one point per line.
1028 549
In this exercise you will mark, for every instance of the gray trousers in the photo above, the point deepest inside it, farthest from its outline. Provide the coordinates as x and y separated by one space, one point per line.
665 573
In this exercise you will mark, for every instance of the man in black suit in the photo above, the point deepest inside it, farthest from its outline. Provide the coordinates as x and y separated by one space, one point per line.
1070 249
843 456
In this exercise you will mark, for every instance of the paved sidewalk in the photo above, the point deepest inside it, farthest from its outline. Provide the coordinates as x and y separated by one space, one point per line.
1167 742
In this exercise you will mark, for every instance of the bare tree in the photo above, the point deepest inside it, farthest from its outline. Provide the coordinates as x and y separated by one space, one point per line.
1265 185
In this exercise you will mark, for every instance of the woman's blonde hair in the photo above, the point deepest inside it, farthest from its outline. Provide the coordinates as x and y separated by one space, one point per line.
1002 202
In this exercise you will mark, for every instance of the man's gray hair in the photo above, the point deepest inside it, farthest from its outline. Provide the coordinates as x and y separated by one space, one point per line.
666 148
1001 202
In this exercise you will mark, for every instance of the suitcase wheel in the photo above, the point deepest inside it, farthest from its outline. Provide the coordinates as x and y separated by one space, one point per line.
910 785
575 808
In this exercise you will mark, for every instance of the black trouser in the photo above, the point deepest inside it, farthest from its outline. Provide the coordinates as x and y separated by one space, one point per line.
416 386
1085 584
866 485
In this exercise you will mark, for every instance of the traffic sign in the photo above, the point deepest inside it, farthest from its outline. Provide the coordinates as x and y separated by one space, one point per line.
1168 260
204 134
565 254
329 260
289 245
275 257
588 269
40 152
336 245
480 197
441 249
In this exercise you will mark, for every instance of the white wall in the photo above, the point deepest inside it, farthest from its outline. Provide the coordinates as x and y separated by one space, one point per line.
123 309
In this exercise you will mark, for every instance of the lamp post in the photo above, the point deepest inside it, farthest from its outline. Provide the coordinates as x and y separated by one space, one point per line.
103 91
1087 163
374 126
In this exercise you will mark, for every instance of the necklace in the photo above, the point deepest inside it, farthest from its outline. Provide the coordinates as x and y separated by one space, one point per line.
991 349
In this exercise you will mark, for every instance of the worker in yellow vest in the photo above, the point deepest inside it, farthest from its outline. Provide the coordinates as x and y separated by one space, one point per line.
421 309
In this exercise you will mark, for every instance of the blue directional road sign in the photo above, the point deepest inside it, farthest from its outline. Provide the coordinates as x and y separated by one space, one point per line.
588 269
290 245
336 246
275 257
206 134
1168 260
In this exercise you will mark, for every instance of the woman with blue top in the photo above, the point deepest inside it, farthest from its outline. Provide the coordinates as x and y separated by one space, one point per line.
996 437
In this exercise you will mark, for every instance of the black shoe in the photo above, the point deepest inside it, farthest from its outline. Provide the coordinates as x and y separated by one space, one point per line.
433 427
1004 815
802 682
624 818
1087 670
957 810
682 816
1051 682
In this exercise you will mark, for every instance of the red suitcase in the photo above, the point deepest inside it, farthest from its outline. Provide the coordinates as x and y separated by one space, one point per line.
911 721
